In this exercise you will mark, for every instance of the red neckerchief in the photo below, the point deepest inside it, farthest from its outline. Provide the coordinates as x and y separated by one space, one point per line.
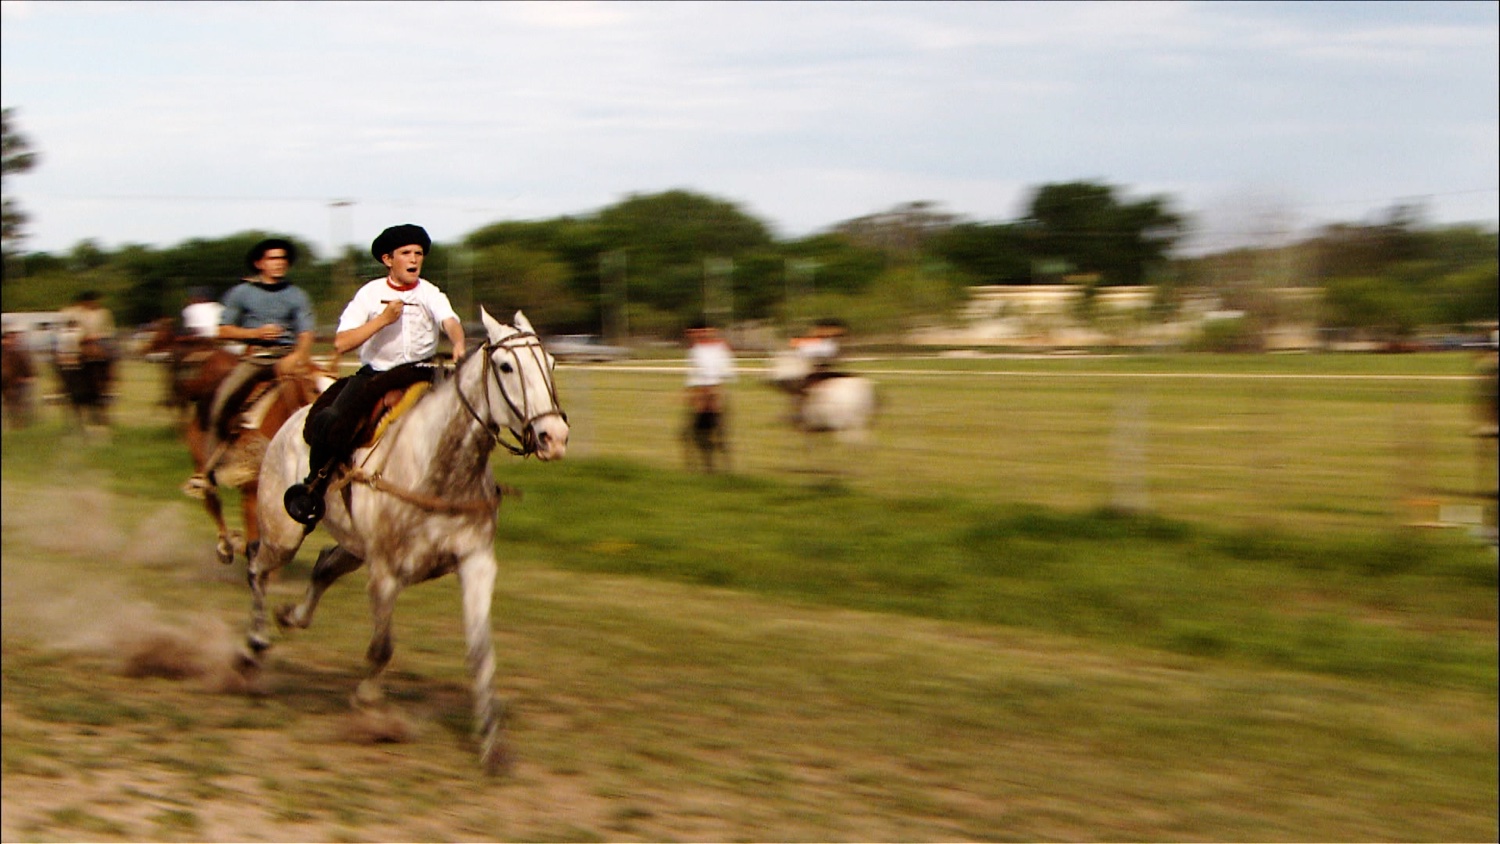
391 283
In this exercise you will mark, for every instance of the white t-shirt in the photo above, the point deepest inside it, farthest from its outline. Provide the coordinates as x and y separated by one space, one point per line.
709 364
202 318
413 337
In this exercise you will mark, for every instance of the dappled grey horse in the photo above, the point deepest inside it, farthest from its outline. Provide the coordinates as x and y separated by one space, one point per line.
418 503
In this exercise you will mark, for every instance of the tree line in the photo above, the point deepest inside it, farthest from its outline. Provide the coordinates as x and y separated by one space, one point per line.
653 263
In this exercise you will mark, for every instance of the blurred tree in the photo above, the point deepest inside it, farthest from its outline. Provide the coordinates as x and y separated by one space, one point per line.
572 241
1085 224
1469 296
666 238
510 278
985 253
159 279
1383 308
16 156
87 255
833 262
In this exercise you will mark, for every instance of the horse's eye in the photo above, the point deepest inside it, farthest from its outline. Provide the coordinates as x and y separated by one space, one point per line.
506 368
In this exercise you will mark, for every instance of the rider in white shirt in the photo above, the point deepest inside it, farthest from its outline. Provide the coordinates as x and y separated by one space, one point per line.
201 316
710 362
394 322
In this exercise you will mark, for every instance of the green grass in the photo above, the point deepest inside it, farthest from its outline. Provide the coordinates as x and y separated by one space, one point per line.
1392 606
1304 454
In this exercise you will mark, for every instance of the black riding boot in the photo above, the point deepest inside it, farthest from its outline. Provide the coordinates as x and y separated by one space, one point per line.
304 501
330 433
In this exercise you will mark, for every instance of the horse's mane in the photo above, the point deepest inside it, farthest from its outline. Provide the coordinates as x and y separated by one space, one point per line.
438 399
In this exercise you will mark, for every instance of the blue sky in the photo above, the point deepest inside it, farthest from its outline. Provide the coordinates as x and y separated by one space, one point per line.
161 122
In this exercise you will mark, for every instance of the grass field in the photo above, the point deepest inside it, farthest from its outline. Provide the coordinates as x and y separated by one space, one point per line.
957 634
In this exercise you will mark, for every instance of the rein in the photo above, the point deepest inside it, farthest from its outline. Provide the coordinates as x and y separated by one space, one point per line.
426 502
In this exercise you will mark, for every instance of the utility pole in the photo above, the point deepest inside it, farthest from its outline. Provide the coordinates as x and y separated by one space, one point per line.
338 234
614 312
718 293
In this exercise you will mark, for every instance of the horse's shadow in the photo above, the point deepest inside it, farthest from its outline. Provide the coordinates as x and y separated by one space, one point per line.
320 692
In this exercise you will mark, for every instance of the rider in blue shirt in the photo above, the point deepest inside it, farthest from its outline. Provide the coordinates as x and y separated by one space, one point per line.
266 311
275 320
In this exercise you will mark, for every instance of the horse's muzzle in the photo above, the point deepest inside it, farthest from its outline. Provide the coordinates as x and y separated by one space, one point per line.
550 435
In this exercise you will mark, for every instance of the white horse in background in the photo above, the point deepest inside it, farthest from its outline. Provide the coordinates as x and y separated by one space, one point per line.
837 403
418 503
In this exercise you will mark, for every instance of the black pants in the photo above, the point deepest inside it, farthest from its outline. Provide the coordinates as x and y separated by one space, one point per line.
334 427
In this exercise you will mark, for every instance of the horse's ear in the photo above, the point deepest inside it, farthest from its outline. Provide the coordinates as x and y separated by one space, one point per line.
523 323
492 327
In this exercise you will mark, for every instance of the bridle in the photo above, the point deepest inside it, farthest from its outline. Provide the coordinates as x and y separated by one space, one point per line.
517 344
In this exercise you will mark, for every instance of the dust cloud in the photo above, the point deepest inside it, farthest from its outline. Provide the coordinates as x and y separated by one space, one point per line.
57 589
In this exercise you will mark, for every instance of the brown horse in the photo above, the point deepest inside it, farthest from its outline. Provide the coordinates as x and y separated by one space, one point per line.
227 433
196 365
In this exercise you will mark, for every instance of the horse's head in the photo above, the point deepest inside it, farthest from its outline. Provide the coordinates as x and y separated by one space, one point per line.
520 389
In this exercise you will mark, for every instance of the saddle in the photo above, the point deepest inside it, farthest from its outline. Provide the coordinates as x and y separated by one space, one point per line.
821 375
247 398
393 392
240 396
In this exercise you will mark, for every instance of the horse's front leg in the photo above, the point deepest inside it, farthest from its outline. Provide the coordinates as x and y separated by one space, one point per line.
250 508
199 486
268 558
476 575
223 549
333 563
383 590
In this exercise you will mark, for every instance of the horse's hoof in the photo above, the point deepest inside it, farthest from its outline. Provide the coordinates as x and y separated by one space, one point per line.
496 758
258 643
224 551
247 665
367 696
286 617
197 487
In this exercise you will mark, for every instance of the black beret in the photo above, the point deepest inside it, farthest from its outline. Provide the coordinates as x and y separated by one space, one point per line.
396 237
267 245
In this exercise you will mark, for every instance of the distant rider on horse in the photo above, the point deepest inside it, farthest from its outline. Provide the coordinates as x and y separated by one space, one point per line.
96 333
819 347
